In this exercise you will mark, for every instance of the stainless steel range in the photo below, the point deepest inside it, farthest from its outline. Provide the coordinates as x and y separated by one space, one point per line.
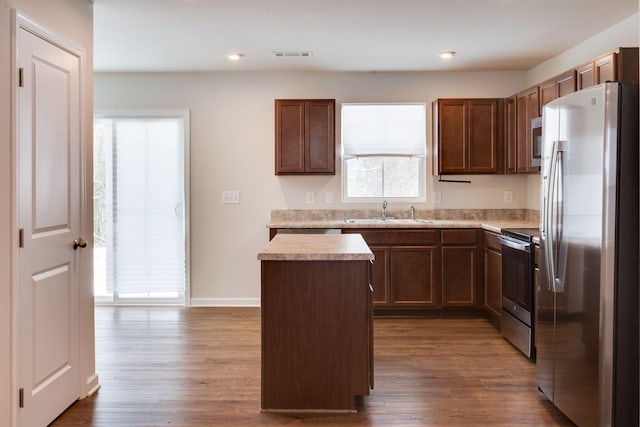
517 320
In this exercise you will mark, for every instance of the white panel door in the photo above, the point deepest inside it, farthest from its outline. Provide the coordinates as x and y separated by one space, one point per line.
49 213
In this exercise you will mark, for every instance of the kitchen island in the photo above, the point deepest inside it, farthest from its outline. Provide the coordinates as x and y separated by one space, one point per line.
316 306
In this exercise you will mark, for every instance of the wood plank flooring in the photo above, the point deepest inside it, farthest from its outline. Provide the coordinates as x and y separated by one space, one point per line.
201 367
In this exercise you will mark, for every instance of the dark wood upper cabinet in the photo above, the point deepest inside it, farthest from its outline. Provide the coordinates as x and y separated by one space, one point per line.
566 83
527 108
548 91
621 65
605 68
556 87
586 76
467 137
511 135
305 136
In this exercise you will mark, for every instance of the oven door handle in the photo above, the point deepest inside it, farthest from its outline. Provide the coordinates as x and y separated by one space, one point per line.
514 243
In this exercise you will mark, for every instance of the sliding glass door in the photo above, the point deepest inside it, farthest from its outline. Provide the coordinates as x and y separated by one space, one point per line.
140 222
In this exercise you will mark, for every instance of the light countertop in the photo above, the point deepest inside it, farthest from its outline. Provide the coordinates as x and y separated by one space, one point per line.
316 247
495 225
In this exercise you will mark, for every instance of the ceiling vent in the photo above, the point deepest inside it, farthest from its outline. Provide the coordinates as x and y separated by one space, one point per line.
292 54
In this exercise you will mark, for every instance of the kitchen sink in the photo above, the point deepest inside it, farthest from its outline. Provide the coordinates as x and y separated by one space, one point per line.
387 221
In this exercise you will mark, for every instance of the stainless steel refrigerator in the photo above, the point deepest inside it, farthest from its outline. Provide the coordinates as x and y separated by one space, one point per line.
587 294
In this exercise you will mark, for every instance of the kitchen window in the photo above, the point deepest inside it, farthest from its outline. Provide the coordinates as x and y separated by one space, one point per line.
383 151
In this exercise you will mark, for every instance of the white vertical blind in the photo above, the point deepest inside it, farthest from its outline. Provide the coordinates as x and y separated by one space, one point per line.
148 238
383 130
144 206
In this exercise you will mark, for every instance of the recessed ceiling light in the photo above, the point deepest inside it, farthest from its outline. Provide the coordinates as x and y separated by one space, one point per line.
235 56
446 54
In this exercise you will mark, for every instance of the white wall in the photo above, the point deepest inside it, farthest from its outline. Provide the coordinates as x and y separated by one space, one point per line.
232 148
74 20
623 34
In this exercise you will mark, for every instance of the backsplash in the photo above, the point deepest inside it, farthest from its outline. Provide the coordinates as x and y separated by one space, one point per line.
440 214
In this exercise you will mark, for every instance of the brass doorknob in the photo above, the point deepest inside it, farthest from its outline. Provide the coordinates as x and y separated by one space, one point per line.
79 243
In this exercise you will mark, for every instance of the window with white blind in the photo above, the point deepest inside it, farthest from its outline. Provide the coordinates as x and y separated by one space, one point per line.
383 151
140 207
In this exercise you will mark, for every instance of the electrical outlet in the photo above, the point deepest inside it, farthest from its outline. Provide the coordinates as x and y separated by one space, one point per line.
230 197
311 197
437 197
508 196
328 197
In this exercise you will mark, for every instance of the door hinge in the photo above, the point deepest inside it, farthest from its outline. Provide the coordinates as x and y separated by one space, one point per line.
21 238
20 77
21 398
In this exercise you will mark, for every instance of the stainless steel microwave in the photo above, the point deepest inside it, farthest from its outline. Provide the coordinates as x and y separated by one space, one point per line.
536 141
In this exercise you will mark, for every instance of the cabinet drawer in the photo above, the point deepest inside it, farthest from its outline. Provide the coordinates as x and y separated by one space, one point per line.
491 241
459 237
398 237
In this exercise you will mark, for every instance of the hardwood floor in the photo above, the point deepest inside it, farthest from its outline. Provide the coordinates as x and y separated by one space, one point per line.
201 367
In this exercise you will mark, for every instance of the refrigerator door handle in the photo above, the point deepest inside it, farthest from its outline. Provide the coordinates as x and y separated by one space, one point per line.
552 209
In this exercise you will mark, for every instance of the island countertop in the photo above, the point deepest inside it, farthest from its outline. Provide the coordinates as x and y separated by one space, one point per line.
316 247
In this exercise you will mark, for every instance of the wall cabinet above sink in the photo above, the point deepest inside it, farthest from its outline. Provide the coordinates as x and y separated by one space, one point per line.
468 136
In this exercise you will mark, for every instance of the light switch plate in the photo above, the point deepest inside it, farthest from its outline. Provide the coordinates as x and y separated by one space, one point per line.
311 197
508 196
328 197
437 197
230 197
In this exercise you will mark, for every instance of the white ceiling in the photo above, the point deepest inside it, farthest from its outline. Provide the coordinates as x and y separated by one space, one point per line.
344 35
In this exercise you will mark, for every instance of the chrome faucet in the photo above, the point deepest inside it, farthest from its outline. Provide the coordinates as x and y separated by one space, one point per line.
384 209
413 212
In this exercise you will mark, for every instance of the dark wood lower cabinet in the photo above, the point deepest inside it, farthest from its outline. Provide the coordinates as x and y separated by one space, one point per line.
414 276
492 275
417 271
380 274
459 268
459 277
316 334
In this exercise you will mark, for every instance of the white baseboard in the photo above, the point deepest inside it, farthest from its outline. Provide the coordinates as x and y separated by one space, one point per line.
225 302
93 384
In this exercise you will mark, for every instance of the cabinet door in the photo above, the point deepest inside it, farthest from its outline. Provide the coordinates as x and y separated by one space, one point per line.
511 136
492 274
380 275
452 136
526 110
290 134
413 276
459 276
548 91
319 137
493 282
484 147
566 83
586 76
605 69
305 136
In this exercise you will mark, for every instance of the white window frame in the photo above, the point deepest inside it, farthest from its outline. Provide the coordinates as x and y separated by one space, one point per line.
185 298
422 166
